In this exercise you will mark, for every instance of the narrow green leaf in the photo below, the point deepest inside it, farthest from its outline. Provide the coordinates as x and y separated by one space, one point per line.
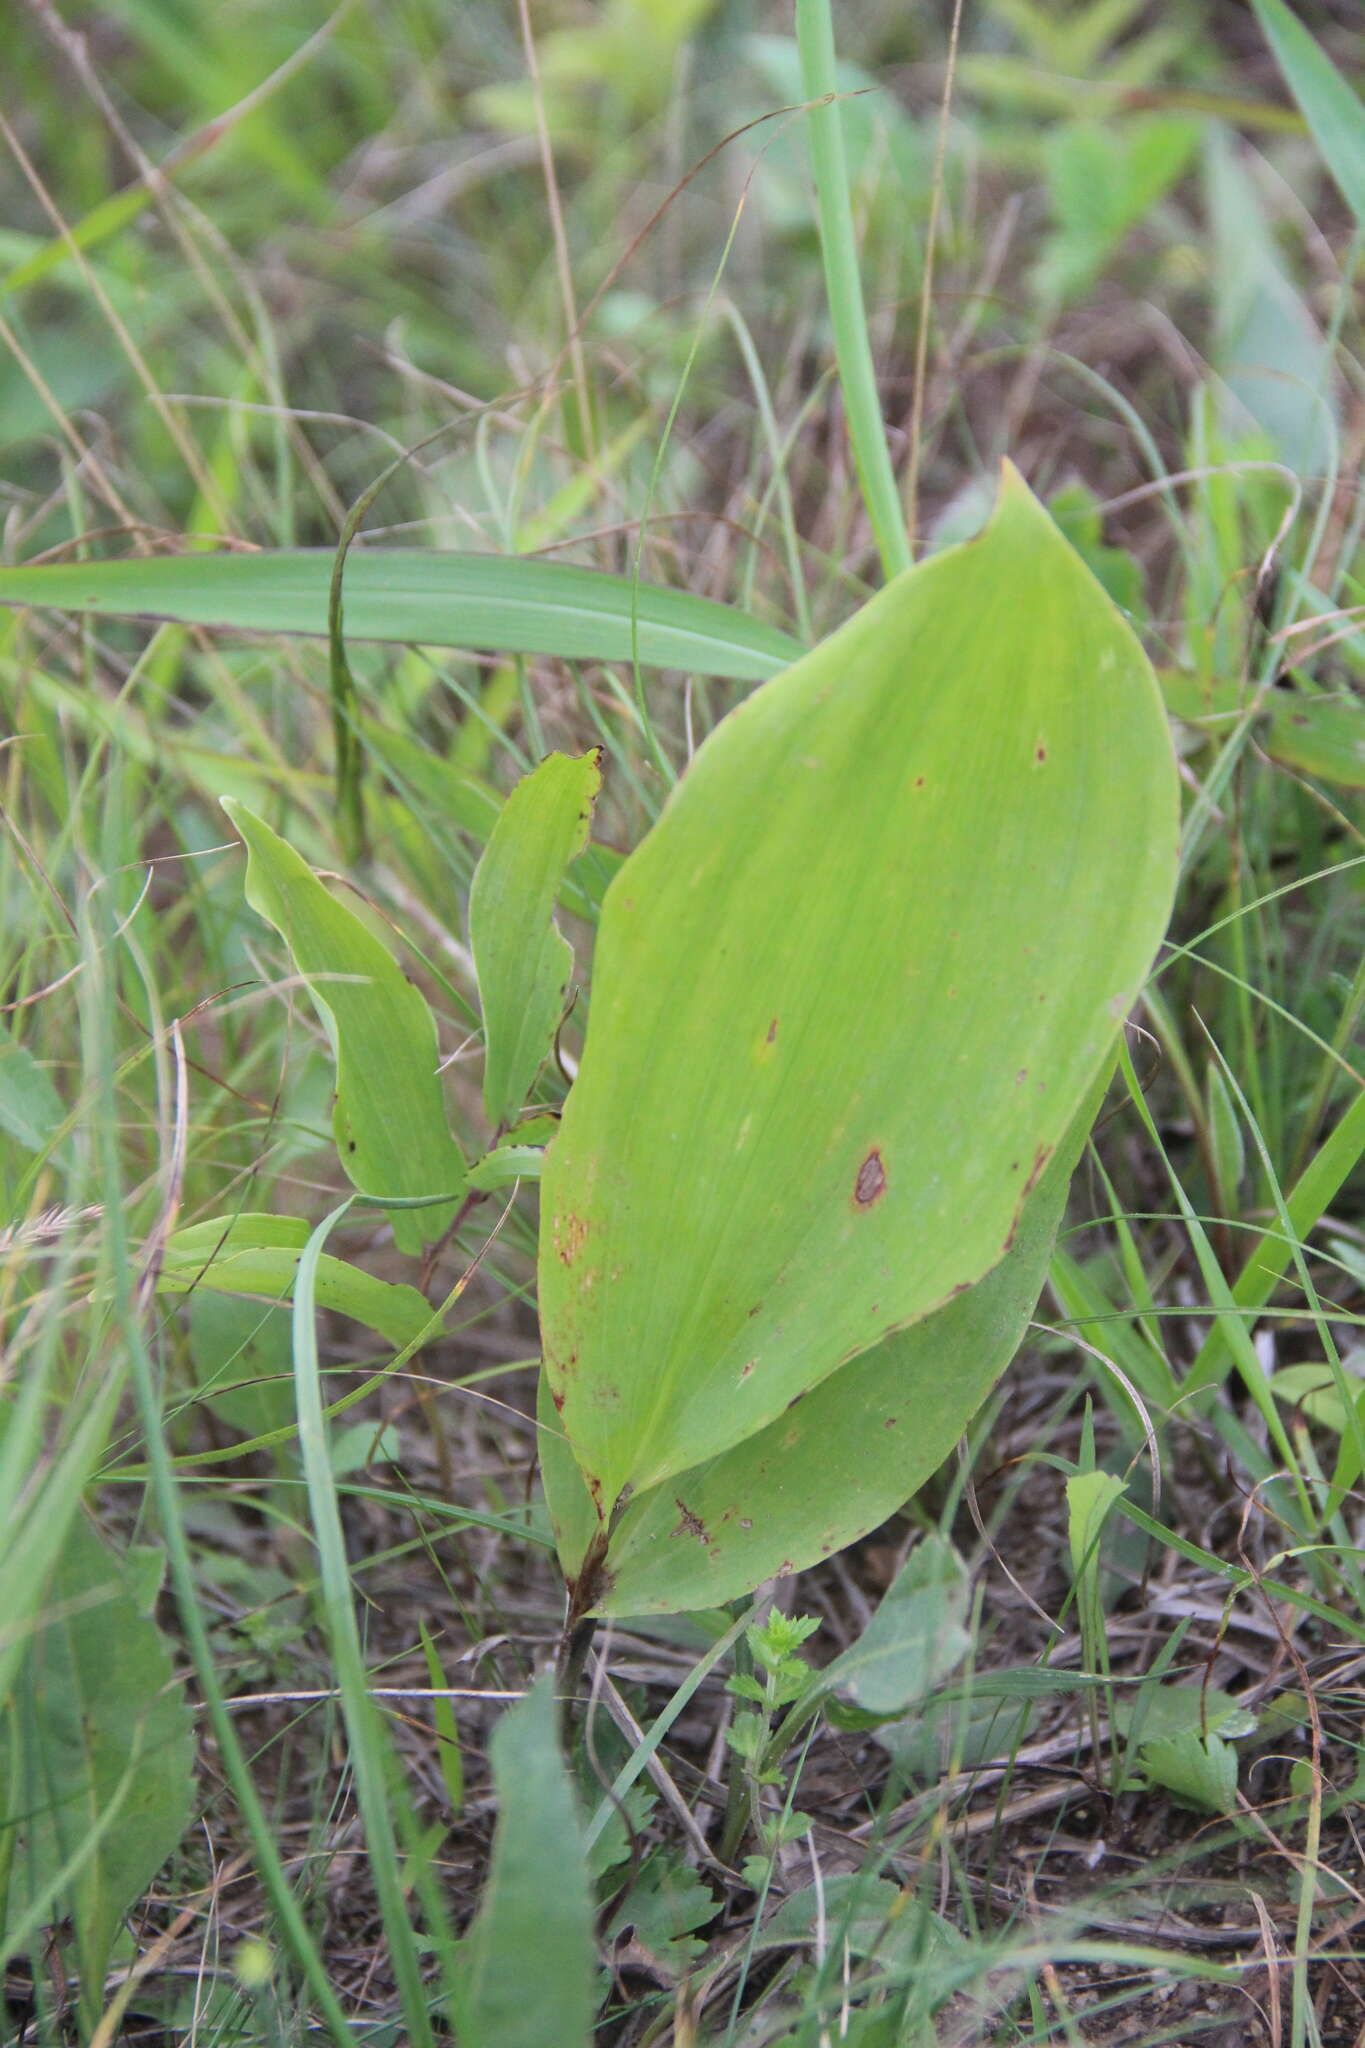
1089 1498
369 1752
445 1727
1335 116
1225 1133
515 604
259 1255
505 1164
112 1730
530 1951
390 1118
848 996
522 960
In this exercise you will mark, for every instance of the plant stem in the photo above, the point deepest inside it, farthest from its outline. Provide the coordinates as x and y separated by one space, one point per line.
570 1665
843 287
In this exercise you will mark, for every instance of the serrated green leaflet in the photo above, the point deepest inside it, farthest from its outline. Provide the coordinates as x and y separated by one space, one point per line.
849 994
390 1120
513 604
522 959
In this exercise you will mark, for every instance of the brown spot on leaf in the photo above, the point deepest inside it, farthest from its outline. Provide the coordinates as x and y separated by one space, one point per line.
1040 753
870 1185
919 782
772 1031
745 1523
746 1370
1021 1077
570 1235
558 1400
690 1524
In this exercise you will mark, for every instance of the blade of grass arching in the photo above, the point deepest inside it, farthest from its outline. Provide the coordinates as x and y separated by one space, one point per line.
1335 117
843 286
1222 1305
611 1805
1305 1206
1353 1432
490 603
367 1741
777 458
1345 1035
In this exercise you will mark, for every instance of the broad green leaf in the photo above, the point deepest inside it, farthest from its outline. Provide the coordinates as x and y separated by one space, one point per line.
512 603
107 1754
916 1637
873 1916
846 1456
390 1119
31 1111
241 1354
1321 1393
1160 1710
530 1951
1320 735
1335 115
1275 363
522 959
259 1255
848 996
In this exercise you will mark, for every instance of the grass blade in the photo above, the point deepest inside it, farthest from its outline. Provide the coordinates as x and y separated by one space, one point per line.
503 603
843 287
1335 117
367 1745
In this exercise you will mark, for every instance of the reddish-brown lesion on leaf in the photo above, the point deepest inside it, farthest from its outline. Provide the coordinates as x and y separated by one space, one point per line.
870 1185
570 1235
690 1524
772 1032
1040 1160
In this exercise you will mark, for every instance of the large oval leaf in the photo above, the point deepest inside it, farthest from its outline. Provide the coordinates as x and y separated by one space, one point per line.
848 996
830 1468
